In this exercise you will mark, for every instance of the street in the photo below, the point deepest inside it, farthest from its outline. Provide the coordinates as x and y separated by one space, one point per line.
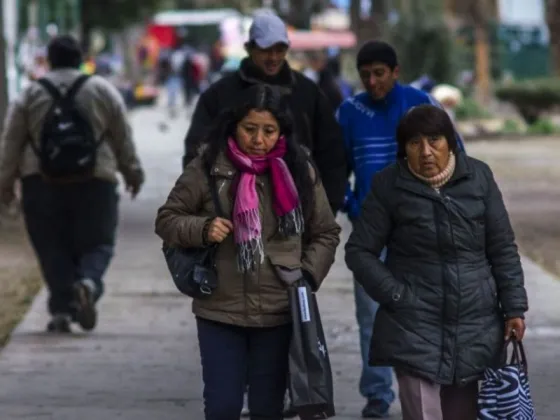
142 361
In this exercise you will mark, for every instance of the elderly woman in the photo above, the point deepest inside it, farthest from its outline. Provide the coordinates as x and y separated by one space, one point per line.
281 227
451 289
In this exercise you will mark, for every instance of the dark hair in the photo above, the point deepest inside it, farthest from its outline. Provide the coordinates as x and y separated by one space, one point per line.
64 52
425 120
263 97
377 52
334 66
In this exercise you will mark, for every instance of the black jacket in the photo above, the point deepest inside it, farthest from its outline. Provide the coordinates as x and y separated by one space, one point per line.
314 117
328 85
452 274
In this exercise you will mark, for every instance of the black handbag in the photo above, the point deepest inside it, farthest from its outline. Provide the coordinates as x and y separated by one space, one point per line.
193 270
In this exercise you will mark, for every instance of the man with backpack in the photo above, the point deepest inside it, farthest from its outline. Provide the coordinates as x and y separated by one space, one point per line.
66 137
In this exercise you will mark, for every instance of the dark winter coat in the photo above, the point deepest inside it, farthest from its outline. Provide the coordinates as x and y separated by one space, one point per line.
452 274
317 127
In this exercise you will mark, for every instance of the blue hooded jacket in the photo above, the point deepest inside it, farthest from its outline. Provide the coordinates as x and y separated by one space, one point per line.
369 128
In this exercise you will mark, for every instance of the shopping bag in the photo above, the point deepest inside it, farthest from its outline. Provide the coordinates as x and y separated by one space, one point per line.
504 393
311 383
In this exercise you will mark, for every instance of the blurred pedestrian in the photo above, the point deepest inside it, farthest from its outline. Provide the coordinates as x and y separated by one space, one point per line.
66 136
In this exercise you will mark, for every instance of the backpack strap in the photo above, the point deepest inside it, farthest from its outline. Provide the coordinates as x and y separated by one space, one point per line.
50 87
71 92
76 86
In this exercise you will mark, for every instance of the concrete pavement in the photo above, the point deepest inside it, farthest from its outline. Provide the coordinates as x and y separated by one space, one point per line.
142 361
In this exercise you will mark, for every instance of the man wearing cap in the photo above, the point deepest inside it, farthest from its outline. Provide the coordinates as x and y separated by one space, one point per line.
71 220
317 128
369 122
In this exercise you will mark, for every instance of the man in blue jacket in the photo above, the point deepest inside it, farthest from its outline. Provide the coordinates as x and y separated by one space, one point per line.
369 121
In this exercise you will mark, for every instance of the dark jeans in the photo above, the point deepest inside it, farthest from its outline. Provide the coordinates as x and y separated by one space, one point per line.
233 357
72 230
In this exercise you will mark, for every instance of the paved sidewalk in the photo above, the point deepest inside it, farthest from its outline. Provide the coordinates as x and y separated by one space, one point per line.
142 361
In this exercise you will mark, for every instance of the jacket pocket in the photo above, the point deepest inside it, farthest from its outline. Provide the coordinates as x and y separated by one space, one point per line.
490 292
287 267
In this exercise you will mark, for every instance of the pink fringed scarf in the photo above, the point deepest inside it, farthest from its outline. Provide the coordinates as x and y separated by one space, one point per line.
246 217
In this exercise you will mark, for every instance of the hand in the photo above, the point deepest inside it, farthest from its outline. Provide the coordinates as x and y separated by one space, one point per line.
134 182
7 195
133 190
219 230
515 327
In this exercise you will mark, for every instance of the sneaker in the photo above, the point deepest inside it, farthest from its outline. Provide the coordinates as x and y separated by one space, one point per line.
59 323
375 409
86 315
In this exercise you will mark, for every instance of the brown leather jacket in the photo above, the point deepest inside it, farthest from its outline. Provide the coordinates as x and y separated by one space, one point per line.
257 299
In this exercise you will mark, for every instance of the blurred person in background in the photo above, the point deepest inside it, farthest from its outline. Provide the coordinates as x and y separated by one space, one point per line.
450 97
71 219
335 66
320 72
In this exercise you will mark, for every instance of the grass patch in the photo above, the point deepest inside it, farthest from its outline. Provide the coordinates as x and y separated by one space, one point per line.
20 280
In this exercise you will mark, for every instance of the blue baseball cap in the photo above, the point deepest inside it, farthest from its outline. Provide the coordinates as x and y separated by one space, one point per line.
267 30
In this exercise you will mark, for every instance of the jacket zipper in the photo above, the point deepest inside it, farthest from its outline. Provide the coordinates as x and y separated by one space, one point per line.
454 361
443 286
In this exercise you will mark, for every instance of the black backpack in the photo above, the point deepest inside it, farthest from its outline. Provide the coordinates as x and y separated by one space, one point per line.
67 146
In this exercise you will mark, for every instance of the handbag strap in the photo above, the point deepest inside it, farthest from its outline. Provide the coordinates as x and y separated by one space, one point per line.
518 356
215 194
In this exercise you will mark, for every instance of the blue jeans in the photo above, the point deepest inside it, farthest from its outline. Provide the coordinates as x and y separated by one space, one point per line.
375 381
174 86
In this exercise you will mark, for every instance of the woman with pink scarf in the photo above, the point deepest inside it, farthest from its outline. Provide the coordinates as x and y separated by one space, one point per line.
277 228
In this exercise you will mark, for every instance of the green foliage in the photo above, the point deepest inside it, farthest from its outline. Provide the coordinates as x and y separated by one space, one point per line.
531 97
543 126
101 14
424 47
511 127
470 109
116 14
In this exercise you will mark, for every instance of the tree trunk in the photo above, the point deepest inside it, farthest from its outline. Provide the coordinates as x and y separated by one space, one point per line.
85 26
553 22
300 14
482 62
479 13
3 75
368 27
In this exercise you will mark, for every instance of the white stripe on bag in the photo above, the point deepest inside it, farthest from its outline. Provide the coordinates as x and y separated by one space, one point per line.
303 305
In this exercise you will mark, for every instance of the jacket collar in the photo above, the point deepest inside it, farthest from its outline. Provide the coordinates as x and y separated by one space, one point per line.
251 74
407 181
223 167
